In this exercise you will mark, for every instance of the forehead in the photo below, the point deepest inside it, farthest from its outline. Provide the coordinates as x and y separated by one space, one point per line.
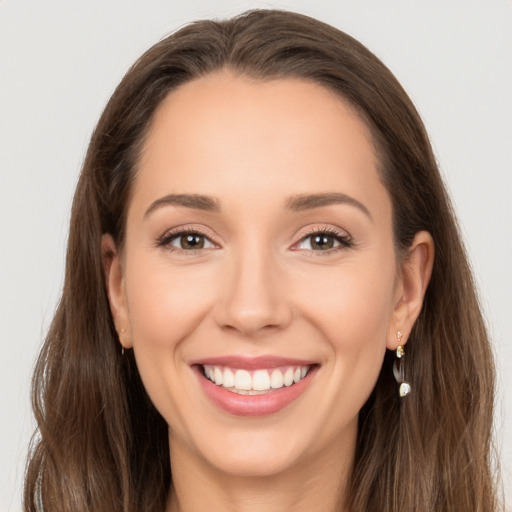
223 132
262 109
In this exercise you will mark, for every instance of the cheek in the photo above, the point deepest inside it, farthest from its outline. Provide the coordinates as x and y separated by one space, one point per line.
350 301
164 304
353 314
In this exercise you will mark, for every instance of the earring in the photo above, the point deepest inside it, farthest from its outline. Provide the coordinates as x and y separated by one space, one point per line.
399 369
122 347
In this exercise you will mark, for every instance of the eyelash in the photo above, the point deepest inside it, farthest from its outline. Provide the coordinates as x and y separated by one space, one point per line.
344 240
166 239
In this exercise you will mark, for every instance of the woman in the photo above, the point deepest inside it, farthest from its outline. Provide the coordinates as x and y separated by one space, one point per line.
267 305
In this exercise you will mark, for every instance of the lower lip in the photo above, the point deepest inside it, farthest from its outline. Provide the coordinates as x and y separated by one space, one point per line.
254 405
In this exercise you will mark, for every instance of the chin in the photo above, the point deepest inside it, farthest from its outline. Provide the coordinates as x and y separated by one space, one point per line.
255 459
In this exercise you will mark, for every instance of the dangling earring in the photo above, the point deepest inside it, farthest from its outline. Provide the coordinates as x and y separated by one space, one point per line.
122 346
399 369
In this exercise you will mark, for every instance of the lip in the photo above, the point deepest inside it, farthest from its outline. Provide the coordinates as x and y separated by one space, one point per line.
253 405
252 363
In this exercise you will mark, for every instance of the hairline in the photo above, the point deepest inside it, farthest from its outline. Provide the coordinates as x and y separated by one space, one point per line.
374 136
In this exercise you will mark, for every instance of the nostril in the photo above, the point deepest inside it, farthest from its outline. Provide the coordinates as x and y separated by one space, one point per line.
252 299
250 329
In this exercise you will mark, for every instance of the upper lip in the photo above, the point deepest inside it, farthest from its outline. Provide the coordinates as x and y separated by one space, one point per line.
252 363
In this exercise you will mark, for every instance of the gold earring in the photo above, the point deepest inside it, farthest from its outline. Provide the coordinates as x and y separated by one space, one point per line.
399 368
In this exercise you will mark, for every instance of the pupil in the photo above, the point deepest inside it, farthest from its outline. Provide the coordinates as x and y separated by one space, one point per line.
323 242
192 241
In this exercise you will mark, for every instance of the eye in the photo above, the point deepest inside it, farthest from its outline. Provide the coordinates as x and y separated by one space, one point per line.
324 241
186 241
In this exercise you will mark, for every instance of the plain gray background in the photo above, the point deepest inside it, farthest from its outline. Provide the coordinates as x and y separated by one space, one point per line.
60 61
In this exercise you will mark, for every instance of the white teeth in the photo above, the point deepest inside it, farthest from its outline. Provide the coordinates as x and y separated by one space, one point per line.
228 378
257 382
260 380
243 380
276 379
217 374
247 391
288 377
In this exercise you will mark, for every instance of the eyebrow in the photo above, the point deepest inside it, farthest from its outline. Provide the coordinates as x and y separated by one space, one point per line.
309 201
296 203
196 201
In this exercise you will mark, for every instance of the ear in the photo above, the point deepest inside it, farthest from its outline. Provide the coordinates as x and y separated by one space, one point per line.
114 279
412 283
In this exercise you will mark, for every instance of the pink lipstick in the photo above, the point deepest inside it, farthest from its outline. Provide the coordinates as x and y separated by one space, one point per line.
248 386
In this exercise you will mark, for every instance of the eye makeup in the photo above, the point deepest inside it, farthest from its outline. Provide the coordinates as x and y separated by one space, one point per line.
190 239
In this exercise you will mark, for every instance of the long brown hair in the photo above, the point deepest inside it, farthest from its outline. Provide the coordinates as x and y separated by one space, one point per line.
102 446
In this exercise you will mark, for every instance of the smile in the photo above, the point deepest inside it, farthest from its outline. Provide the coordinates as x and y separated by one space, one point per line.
256 382
254 386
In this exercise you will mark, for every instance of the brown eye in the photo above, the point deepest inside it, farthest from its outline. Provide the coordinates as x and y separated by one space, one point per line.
187 241
191 241
324 241
321 242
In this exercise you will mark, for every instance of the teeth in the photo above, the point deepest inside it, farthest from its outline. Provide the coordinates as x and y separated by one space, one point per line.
247 391
261 380
257 382
288 377
228 378
217 374
276 379
243 380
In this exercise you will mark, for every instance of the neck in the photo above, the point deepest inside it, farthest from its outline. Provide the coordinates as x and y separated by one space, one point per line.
313 485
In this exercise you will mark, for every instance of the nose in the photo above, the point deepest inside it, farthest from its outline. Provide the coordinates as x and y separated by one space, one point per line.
254 298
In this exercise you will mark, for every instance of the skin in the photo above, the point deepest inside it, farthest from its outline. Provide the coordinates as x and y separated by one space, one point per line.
258 286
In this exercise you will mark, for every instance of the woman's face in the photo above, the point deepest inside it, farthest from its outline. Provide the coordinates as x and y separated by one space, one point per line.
259 253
